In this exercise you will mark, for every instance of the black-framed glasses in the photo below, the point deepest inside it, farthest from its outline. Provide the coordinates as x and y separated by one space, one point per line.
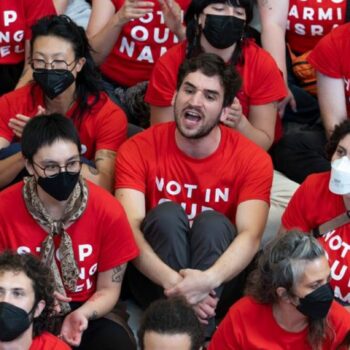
38 64
53 170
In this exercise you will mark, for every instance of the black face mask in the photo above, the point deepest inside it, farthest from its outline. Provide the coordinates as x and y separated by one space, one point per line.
13 321
223 31
53 82
317 304
59 187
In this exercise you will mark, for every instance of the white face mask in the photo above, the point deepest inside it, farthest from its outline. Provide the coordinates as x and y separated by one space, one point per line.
340 176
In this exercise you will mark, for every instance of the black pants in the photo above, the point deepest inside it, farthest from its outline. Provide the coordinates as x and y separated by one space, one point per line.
167 230
104 334
301 153
9 76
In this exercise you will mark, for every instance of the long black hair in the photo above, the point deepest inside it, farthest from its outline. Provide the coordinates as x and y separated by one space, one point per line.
88 81
194 30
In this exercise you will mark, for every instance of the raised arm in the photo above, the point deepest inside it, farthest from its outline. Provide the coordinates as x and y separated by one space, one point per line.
147 262
331 98
105 24
99 304
259 128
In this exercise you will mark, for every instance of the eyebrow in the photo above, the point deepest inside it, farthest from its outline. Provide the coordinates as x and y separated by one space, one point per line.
205 90
57 54
47 161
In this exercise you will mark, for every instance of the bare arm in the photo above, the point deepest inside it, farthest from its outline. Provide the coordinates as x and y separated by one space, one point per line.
331 98
161 114
105 25
99 304
61 6
273 17
103 174
147 262
11 166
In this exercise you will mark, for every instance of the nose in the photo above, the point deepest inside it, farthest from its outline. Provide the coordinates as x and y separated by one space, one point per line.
196 98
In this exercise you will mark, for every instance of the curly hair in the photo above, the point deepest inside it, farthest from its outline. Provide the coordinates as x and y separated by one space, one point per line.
171 316
339 132
42 282
282 264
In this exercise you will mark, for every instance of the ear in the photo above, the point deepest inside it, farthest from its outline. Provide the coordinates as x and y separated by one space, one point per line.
201 20
80 64
39 308
282 293
29 167
173 99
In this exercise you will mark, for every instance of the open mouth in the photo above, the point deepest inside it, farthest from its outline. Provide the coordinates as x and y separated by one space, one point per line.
192 115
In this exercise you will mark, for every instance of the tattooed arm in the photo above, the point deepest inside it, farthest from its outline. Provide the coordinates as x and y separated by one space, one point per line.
103 174
99 304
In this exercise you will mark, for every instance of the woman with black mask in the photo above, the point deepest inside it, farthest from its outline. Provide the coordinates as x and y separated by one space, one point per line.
66 82
289 302
220 27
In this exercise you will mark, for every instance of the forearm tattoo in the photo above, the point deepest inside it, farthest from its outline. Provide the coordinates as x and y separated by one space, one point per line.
93 316
118 273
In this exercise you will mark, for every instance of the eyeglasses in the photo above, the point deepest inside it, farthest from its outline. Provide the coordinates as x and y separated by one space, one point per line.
53 170
38 64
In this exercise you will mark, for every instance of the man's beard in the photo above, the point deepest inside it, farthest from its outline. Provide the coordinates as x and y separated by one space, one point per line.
203 131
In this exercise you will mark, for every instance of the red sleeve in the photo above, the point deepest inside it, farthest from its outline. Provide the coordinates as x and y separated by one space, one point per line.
162 84
328 55
34 10
340 323
256 175
117 233
227 336
262 80
112 127
5 114
295 215
130 169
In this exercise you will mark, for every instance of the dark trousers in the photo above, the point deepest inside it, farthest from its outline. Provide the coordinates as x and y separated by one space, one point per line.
104 334
10 74
167 229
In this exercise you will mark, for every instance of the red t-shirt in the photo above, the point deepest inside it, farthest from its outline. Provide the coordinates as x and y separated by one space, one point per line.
310 20
47 341
250 325
262 81
152 163
16 19
314 204
330 57
104 127
102 238
139 45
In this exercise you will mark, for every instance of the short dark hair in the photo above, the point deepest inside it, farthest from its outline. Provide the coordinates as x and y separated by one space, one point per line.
339 132
45 130
88 80
210 65
171 316
42 282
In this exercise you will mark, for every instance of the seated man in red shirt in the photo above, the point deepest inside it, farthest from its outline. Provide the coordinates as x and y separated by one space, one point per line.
66 82
77 228
196 193
26 304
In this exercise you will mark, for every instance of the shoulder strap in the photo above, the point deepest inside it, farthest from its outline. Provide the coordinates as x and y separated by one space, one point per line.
347 13
332 224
